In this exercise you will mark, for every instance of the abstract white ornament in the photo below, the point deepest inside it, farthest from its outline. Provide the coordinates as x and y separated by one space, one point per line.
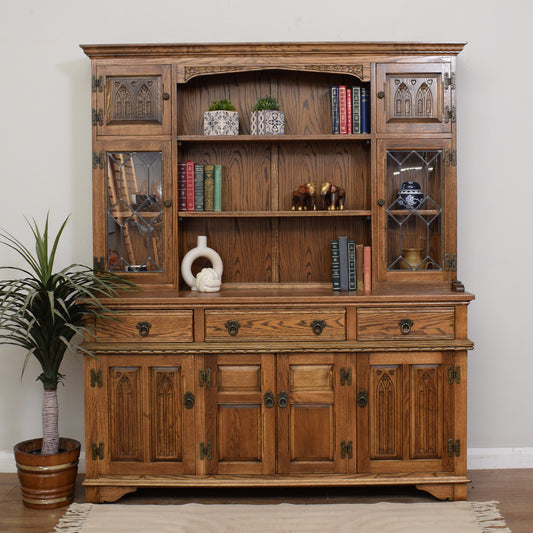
207 282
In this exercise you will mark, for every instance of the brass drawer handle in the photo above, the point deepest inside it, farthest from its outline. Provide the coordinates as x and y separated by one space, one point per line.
144 328
405 325
318 326
283 399
233 327
269 399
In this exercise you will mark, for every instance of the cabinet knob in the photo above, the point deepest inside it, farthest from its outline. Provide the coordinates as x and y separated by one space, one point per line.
381 202
381 94
144 328
233 327
283 399
405 325
167 203
166 96
318 326
269 399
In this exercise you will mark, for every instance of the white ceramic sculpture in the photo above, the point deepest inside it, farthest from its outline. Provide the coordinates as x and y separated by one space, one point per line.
209 279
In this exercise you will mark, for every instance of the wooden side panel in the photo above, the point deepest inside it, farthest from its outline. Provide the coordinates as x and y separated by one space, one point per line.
312 421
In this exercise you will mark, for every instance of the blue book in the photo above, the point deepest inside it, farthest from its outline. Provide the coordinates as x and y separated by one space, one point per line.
365 111
335 109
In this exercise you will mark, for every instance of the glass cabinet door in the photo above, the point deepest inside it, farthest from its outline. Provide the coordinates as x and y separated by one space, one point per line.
136 197
418 198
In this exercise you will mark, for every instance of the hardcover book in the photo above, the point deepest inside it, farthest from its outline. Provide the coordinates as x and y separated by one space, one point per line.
356 109
182 187
335 265
349 120
367 268
218 188
352 272
198 187
343 259
335 109
190 185
209 187
359 265
365 111
343 125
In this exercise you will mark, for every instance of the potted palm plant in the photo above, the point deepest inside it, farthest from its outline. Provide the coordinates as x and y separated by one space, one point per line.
221 118
41 311
266 117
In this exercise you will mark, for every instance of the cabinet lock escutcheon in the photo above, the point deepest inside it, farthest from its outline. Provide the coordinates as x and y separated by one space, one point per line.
405 325
318 326
269 399
144 328
362 398
233 327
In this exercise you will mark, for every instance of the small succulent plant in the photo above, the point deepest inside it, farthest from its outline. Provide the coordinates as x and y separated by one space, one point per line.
222 105
267 102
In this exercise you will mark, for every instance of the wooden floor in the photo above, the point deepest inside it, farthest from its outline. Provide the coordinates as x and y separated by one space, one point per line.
512 488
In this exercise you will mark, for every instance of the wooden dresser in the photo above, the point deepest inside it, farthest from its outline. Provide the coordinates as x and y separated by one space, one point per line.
277 379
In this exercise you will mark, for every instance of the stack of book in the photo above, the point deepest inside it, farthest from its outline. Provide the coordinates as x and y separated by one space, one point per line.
350 109
199 187
350 265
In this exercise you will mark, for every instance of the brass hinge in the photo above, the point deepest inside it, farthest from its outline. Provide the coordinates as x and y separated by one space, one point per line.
450 262
96 377
346 449
98 264
205 377
98 160
346 376
205 451
98 83
454 447
450 114
454 374
449 81
97 117
97 450
450 158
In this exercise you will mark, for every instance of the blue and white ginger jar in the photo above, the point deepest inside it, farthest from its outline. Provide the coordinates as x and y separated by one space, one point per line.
410 195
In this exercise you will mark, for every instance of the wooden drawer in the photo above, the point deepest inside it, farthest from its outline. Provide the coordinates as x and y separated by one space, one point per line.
405 323
274 325
148 326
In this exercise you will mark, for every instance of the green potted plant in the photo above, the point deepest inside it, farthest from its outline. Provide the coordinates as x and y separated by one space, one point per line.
266 117
41 310
221 118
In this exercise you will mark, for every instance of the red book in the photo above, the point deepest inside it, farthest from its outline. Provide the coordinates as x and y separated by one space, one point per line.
348 111
367 268
189 180
343 118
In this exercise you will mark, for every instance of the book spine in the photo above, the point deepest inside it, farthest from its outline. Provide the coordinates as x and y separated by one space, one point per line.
352 273
217 202
182 187
349 121
356 109
335 109
343 259
190 185
365 111
198 187
209 187
367 268
359 260
342 109
335 266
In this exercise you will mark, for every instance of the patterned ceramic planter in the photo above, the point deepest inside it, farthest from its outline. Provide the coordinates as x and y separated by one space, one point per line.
267 122
221 122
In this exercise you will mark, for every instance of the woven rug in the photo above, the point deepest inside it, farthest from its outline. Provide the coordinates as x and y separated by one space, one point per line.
437 517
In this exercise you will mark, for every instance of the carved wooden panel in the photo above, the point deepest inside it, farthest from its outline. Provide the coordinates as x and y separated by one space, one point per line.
166 414
125 414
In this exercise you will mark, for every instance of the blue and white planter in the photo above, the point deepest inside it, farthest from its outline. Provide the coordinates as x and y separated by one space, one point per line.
267 122
221 122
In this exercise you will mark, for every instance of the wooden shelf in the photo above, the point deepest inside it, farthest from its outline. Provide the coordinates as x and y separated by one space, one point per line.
326 137
275 214
405 212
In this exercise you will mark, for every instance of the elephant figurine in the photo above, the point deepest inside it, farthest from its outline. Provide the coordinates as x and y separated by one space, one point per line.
336 197
299 198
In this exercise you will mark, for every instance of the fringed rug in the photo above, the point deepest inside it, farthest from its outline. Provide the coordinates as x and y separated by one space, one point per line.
437 517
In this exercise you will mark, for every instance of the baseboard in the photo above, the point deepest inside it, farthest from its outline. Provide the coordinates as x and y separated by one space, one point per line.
8 466
477 459
496 458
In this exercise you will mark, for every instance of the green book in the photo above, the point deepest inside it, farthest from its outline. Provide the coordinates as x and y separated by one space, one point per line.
198 187
209 187
218 188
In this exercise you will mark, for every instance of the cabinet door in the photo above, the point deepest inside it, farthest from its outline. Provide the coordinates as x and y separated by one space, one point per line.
132 100
140 414
313 434
132 210
414 98
240 414
416 211
405 412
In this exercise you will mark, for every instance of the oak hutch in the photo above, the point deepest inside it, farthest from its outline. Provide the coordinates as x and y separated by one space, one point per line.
277 379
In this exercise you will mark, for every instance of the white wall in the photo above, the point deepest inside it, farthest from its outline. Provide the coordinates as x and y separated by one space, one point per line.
45 153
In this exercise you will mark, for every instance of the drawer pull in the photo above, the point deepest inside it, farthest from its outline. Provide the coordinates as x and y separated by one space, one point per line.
144 328
233 327
362 398
269 399
188 400
405 325
283 399
318 326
